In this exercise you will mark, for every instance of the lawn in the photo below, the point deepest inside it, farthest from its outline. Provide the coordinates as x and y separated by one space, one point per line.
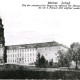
23 72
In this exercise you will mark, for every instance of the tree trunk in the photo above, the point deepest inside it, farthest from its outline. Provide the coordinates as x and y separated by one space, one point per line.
76 64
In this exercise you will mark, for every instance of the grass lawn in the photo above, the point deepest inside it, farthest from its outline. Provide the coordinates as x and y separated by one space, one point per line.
23 72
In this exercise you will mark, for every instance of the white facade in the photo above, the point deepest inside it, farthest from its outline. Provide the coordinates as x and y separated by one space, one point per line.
21 56
51 52
27 54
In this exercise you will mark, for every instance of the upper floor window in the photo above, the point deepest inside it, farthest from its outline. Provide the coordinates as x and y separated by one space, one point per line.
30 59
28 55
25 55
22 50
13 55
25 50
46 54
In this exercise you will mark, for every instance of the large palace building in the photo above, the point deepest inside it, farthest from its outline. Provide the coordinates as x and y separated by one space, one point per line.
26 54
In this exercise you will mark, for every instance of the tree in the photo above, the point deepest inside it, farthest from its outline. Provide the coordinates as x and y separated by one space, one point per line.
51 63
64 59
61 58
75 52
38 61
68 58
41 61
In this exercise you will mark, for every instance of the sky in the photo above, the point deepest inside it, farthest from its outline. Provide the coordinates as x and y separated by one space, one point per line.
25 25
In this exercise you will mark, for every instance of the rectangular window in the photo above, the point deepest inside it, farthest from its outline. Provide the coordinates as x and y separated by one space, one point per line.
13 60
20 54
25 55
8 60
30 59
25 59
15 55
22 50
28 55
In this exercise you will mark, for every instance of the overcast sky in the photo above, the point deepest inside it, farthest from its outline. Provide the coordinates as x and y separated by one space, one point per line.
30 25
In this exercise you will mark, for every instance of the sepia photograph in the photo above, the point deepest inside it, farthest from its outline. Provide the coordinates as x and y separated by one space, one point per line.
40 39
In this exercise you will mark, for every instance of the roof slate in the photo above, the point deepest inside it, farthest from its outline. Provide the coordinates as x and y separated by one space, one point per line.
34 45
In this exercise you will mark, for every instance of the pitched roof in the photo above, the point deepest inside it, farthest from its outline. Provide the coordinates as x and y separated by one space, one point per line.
34 45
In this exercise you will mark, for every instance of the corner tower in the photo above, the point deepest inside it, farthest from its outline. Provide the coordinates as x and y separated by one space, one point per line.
2 42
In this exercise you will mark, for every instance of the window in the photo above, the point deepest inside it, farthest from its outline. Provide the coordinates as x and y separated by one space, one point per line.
55 53
33 54
33 59
46 54
30 59
28 55
15 60
8 51
15 55
25 55
20 54
8 60
22 50
25 59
